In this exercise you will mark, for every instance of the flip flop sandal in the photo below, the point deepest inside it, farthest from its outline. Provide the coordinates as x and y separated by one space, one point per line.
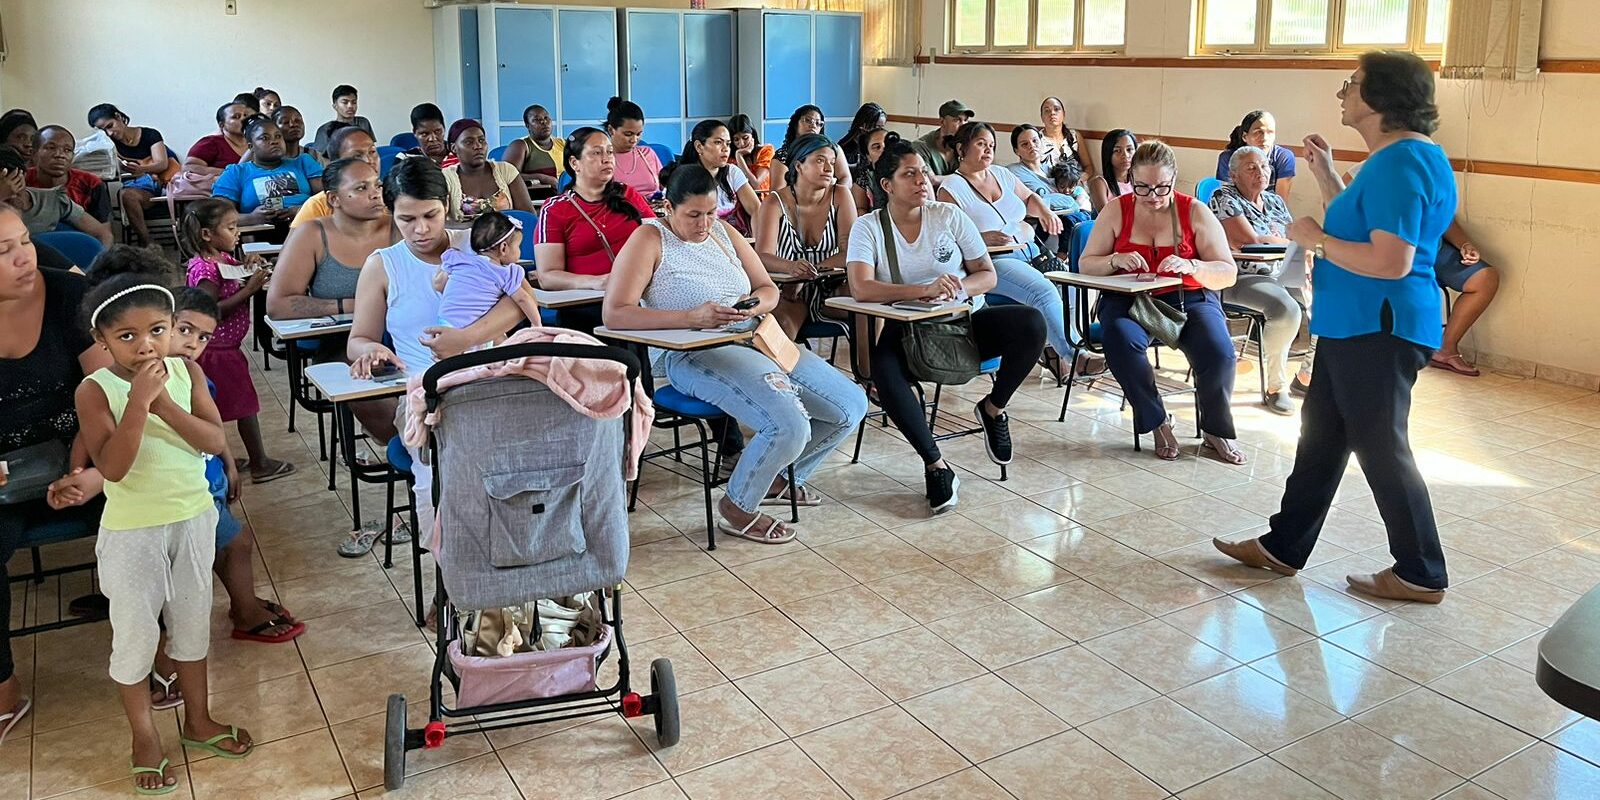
401 534
284 470
1455 364
283 615
255 634
210 745
359 543
785 536
164 685
160 769
9 721
805 500
241 464
1166 452
1233 458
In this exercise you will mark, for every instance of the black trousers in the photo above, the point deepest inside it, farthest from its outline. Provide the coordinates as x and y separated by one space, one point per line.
1359 401
1014 333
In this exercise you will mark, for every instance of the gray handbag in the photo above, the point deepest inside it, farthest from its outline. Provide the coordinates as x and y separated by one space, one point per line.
937 351
1158 319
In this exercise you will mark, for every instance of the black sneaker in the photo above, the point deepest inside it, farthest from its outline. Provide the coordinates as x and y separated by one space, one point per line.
942 485
996 434
1299 388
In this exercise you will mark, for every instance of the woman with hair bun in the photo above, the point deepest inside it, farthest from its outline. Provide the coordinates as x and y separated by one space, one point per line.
637 166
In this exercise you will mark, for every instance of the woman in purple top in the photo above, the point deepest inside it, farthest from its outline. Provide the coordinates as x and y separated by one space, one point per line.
472 283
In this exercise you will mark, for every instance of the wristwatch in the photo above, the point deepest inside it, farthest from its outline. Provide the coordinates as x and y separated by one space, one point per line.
1319 250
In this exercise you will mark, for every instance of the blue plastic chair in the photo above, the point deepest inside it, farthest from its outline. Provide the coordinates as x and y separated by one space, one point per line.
387 155
529 221
1206 188
80 248
404 141
499 153
663 153
564 182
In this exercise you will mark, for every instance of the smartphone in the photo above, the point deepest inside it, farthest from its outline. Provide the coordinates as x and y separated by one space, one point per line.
747 304
325 323
917 305
384 370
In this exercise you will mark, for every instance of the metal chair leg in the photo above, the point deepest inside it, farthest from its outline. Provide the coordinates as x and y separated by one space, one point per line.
705 482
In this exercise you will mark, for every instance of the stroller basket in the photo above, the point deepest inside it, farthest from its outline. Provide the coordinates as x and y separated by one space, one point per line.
481 681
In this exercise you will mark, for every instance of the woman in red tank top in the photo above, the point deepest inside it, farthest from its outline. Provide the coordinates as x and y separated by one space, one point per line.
1156 230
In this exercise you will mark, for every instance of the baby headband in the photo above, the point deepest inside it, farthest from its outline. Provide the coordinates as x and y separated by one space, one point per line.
95 317
516 225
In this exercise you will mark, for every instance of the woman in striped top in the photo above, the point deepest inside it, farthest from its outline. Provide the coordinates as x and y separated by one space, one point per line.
798 229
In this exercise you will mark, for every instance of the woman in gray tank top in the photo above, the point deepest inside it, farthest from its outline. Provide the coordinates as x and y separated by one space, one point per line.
312 279
687 271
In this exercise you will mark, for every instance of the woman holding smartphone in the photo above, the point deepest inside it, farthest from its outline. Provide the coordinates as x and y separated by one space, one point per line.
940 257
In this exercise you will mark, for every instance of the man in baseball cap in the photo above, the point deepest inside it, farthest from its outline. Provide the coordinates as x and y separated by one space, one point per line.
941 159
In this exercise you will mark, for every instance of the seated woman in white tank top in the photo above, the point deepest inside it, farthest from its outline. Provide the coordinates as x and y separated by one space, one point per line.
687 271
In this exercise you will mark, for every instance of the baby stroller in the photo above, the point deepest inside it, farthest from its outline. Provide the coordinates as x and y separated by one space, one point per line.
531 503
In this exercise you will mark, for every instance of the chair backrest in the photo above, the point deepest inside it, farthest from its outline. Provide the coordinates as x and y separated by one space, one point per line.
1079 241
1206 188
663 153
499 153
387 155
529 222
564 182
404 141
80 248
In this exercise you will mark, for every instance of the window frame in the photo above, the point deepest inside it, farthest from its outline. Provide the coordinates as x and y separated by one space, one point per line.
1031 47
1416 33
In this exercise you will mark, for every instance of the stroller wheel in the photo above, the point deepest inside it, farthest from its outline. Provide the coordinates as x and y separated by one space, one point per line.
664 687
394 743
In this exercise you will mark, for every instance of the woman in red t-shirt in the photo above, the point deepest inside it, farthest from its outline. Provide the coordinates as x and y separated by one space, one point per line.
213 154
582 230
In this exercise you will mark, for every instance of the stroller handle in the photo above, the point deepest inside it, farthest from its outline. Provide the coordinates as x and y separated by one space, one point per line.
430 379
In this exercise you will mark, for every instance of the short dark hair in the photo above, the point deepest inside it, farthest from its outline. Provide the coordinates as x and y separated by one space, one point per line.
193 298
343 90
417 178
248 100
254 123
895 151
690 180
1399 86
489 229
343 134
423 112
125 259
1016 133
333 174
965 135
106 111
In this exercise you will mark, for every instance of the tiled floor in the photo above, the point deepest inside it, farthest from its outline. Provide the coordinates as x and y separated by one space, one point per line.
1069 633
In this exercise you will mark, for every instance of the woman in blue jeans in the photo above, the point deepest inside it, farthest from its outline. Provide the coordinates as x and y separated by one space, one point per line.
688 271
1000 206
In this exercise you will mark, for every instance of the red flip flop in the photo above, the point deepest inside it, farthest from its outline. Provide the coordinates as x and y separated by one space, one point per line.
255 634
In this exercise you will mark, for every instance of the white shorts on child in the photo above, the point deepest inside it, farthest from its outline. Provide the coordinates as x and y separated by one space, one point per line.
150 574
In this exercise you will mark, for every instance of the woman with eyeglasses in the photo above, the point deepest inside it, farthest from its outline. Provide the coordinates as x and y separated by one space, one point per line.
1156 231
1376 314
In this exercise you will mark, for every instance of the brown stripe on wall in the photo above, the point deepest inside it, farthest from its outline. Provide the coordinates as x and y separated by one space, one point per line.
1560 65
1472 166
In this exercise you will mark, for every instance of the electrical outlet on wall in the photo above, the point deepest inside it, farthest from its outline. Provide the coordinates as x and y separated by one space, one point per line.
230 7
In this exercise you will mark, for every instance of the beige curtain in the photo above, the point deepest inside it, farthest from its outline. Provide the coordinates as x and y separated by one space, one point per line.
1492 39
889 32
815 5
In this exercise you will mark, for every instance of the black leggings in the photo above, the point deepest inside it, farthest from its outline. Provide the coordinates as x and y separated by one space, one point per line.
1014 333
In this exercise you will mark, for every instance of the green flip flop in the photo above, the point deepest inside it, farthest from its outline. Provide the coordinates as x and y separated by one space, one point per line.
164 788
210 745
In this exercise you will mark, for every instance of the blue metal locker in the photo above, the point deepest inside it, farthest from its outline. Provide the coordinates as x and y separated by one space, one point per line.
588 57
708 65
668 133
471 80
524 40
787 42
655 63
838 67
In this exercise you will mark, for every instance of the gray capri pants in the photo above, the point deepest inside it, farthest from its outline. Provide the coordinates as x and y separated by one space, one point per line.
153 573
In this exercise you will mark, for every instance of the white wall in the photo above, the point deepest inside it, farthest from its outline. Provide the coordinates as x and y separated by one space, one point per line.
1544 234
67 55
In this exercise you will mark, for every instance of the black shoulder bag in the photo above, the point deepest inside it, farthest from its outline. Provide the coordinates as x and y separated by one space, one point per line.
938 351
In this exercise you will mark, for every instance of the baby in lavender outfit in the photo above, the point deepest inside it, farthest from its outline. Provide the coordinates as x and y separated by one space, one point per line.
472 283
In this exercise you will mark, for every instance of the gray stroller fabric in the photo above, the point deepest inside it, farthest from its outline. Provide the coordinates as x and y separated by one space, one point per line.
531 499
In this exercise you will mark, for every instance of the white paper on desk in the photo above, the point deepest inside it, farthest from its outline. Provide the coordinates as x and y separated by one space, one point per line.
236 272
1293 275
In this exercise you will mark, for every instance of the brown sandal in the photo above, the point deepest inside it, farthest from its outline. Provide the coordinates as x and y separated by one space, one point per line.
1232 456
1455 363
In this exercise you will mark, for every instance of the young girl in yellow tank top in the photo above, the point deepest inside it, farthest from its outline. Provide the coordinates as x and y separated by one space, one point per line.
145 421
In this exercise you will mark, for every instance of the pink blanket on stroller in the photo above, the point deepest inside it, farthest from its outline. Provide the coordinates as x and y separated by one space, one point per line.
593 387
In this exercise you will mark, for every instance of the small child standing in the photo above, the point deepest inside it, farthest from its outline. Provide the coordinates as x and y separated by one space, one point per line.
473 284
145 421
208 235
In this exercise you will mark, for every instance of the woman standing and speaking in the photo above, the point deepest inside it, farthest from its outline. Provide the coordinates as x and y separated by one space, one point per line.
1376 311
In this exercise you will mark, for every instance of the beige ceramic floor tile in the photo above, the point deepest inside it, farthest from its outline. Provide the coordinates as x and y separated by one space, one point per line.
1209 515
1019 519
703 600
1562 568
1148 532
601 759
666 561
1079 609
665 790
932 593
1404 648
1543 773
1077 685
810 694
1261 779
984 717
691 669
779 772
1069 767
874 557
70 698
304 767
1258 710
791 577
718 723
880 755
1351 761
749 644
1521 595
1012 571
93 753
1505 693
1478 625
1237 628
482 777
1153 587
1334 677
15 765
949 537
842 618
968 784
1080 550
1445 732
998 635
271 710
1307 605
360 688
1582 739
1084 504
1160 655
361 742
357 633
319 596
1202 562
909 663
1172 745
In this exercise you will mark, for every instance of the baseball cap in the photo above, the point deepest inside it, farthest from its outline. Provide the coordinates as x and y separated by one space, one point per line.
955 108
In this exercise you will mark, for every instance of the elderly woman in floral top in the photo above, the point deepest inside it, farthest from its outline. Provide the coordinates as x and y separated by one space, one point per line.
1253 214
